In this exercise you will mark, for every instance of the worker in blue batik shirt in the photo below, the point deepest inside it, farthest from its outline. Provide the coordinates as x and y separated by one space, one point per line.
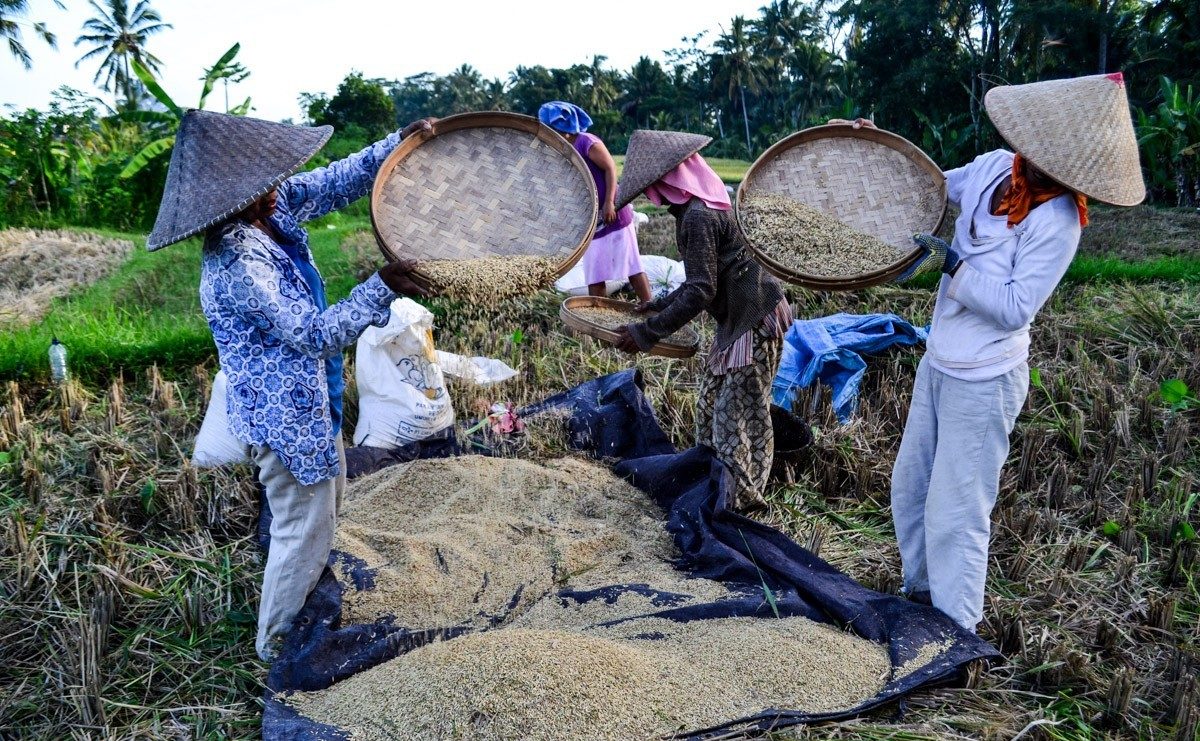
279 342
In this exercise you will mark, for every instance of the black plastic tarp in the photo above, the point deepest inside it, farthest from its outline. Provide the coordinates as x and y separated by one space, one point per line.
612 419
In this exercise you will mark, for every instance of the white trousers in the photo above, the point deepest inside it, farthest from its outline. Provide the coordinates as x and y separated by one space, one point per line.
945 482
302 525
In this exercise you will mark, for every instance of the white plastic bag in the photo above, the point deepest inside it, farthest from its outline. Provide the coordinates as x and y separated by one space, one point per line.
574 283
402 394
215 444
478 370
664 274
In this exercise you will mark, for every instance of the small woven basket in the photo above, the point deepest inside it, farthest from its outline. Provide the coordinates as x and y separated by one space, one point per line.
484 185
875 181
583 326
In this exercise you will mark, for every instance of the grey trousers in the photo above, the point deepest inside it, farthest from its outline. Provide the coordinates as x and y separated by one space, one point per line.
302 525
945 482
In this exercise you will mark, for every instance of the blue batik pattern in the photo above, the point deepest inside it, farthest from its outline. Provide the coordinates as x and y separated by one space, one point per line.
271 338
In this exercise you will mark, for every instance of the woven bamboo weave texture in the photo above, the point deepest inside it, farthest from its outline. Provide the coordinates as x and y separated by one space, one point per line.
490 190
869 185
652 154
1078 131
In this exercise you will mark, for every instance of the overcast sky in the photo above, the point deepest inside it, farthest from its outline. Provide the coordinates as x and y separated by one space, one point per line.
296 46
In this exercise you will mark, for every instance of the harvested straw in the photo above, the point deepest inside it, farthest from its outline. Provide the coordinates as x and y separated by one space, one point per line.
109 540
33 262
548 434
808 241
488 280
615 319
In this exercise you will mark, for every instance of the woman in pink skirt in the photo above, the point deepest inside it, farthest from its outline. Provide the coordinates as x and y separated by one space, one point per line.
613 254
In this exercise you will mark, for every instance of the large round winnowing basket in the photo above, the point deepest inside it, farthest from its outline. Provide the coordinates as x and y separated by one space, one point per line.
876 181
484 184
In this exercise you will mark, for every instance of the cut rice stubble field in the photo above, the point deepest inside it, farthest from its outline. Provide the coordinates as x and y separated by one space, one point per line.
109 544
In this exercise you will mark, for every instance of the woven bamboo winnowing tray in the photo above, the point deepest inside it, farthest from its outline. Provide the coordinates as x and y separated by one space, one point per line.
876 181
484 185
583 326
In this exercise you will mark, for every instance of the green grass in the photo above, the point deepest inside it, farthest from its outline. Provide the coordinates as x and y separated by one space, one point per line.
731 171
1106 269
148 311
1091 269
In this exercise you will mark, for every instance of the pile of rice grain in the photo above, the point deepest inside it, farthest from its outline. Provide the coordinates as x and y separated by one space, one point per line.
809 241
580 652
463 541
488 280
610 318
643 679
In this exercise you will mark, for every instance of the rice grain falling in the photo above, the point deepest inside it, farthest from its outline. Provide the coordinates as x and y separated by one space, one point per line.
809 241
615 319
488 280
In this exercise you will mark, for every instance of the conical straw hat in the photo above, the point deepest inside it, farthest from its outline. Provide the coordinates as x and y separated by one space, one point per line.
220 164
1077 131
652 154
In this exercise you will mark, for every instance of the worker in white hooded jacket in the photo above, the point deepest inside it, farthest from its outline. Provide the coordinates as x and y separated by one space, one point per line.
1020 220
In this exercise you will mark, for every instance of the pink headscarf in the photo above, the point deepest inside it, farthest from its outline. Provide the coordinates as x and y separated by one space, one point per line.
692 178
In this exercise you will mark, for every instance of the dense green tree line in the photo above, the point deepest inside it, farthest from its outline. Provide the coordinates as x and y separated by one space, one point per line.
918 67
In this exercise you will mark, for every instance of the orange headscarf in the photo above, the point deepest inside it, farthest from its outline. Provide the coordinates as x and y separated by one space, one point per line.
1022 198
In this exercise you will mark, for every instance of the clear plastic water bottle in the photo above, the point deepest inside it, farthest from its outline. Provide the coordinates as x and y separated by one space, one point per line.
58 361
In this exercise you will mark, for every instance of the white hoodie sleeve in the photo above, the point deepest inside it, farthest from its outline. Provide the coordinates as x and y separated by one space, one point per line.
1045 252
956 180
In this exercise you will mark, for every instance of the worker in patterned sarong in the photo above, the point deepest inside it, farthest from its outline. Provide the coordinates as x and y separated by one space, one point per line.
733 414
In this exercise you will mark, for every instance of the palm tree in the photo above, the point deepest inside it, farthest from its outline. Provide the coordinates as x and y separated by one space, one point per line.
815 81
647 90
783 26
603 87
10 29
736 65
464 88
120 35
495 96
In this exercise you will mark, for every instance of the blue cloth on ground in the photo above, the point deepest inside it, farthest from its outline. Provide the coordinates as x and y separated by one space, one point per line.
611 417
830 350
